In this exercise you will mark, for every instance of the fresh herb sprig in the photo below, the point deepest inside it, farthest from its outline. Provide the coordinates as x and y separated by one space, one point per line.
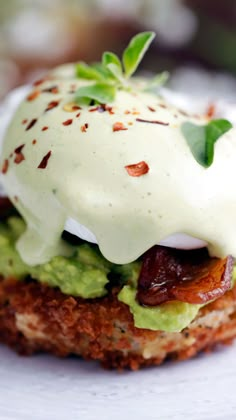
202 138
113 74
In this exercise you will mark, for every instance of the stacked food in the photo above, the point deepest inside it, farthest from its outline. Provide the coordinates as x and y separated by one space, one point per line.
119 241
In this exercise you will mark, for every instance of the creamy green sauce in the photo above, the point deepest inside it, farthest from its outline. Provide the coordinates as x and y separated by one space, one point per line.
85 177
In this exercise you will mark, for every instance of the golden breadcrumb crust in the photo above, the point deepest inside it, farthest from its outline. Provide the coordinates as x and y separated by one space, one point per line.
37 318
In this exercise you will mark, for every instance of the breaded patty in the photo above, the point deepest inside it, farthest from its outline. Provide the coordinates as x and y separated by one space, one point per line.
37 318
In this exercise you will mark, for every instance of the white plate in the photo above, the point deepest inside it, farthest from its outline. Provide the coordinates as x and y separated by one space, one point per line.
47 388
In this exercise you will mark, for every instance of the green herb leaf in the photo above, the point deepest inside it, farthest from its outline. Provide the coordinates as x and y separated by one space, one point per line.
100 92
103 71
135 51
116 73
109 57
202 138
87 72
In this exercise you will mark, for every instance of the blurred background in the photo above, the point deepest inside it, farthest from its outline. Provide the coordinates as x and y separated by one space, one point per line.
196 39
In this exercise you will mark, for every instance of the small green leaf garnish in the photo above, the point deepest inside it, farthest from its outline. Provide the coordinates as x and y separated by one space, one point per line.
202 138
103 71
84 71
109 57
109 74
135 51
99 92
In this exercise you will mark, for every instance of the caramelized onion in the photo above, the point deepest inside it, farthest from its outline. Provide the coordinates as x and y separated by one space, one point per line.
188 276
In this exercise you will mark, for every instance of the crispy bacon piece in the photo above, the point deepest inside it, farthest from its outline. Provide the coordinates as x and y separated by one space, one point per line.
188 276
211 110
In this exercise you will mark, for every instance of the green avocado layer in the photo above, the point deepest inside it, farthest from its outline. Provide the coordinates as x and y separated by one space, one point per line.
86 274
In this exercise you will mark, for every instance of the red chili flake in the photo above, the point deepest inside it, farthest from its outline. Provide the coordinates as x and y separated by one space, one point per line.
118 126
151 109
137 169
95 109
19 155
45 128
68 122
127 112
5 166
31 124
152 121
76 107
33 95
162 106
34 141
84 128
211 110
44 161
184 113
109 109
24 121
19 148
51 105
78 115
52 89
38 82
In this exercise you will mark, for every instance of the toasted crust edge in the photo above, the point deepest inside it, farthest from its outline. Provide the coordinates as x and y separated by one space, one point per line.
37 318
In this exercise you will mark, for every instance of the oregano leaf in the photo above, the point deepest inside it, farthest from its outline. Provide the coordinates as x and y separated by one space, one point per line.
84 71
111 58
202 138
135 51
100 92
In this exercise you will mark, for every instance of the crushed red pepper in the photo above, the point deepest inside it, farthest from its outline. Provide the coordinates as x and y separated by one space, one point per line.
45 128
34 141
184 113
109 109
68 122
33 95
84 127
44 162
152 121
5 166
24 121
51 105
137 169
19 155
151 109
53 89
39 82
78 115
31 124
211 110
118 126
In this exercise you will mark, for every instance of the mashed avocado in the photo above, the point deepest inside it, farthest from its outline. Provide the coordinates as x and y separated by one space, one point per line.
86 274
172 316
